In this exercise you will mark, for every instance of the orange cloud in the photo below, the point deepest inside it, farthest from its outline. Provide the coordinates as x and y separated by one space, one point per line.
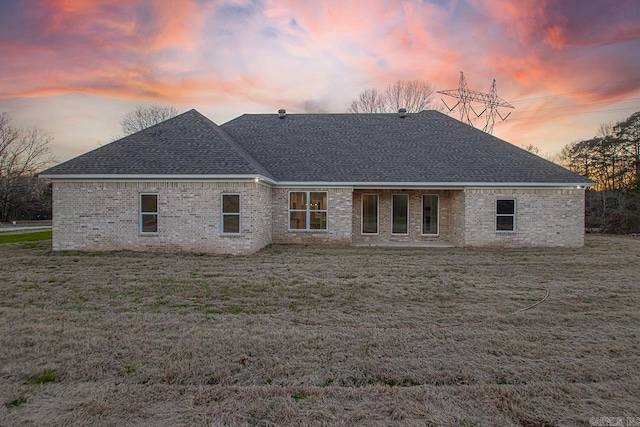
312 55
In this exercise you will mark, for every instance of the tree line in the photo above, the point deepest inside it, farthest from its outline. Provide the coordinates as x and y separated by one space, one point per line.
612 159
23 153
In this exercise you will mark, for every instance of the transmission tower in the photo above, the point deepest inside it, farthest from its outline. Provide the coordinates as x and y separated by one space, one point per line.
490 101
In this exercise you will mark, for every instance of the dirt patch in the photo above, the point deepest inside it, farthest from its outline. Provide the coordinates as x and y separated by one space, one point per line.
303 335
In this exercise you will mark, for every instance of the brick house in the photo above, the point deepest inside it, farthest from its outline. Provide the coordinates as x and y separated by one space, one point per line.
188 184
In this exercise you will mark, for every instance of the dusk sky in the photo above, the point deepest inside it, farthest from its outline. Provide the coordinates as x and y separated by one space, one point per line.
75 67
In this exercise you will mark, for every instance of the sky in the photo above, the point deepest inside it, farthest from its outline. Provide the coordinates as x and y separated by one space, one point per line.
74 68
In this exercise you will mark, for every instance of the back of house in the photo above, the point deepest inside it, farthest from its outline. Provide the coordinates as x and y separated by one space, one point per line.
188 184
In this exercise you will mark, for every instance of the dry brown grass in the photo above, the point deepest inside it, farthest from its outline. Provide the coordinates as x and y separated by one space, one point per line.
314 336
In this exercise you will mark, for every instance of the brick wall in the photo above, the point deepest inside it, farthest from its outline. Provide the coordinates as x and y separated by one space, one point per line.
544 217
338 218
450 217
105 216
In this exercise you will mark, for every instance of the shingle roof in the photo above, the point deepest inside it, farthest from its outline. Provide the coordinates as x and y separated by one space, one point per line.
426 147
188 144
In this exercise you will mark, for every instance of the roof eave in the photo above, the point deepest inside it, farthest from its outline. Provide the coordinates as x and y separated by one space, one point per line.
363 184
164 177
432 185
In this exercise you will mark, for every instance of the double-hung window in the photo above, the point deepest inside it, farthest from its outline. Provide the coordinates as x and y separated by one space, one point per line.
429 214
400 214
308 210
505 215
148 213
231 218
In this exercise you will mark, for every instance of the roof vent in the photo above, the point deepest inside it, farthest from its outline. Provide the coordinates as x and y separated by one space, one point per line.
282 113
402 112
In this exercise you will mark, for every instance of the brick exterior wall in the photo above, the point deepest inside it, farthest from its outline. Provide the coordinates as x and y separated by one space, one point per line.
544 217
450 217
101 216
338 218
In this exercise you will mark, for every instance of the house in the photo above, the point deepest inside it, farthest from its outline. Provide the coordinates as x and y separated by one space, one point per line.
188 184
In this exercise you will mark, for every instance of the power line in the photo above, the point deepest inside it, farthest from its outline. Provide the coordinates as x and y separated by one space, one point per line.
565 112
559 95
574 113
588 105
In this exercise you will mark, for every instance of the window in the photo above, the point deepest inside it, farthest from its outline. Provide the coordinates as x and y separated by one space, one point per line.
369 214
148 213
400 214
230 214
506 215
429 214
308 210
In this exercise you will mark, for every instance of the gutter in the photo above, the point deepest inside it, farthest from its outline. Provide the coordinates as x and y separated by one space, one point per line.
288 184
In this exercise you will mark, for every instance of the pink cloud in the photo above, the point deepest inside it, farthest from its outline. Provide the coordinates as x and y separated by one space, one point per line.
317 56
566 23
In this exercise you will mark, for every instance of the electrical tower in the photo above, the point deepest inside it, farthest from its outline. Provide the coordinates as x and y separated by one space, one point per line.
490 101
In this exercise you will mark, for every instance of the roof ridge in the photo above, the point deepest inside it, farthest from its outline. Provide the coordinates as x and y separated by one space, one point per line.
236 146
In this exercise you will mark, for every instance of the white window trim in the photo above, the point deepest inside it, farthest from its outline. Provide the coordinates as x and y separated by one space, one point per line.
392 213
308 211
222 214
515 211
422 233
156 213
377 214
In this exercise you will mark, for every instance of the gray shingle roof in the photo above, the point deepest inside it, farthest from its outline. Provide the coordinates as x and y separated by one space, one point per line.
188 144
426 147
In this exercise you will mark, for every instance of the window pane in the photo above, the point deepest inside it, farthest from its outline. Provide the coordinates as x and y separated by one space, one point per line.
318 200
506 206
297 220
429 214
400 214
298 200
231 203
149 223
318 221
231 224
149 203
369 213
504 223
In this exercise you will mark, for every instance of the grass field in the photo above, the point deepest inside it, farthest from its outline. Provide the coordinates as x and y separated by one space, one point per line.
24 236
321 336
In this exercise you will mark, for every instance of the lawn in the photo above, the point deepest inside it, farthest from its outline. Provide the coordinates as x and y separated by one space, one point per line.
24 236
320 336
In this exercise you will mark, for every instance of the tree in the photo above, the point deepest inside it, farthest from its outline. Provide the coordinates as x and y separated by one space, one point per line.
141 118
413 95
628 131
369 101
23 153
612 160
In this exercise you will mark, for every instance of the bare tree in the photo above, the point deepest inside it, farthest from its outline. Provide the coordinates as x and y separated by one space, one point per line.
8 134
532 149
369 101
141 118
23 153
413 95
